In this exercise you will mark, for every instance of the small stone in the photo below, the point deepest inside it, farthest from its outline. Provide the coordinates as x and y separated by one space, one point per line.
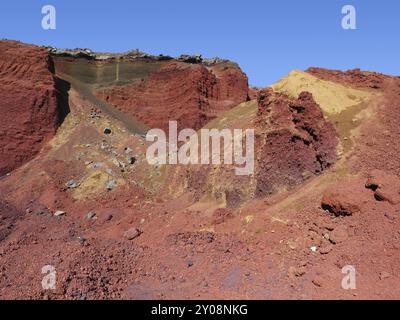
313 248
111 185
90 215
108 217
384 275
103 145
142 221
339 235
131 160
71 184
82 240
132 233
326 249
296 272
346 197
97 165
190 263
40 212
390 216
59 213
329 227
317 281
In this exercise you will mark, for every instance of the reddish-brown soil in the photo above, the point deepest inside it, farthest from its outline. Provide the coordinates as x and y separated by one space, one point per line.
151 237
32 104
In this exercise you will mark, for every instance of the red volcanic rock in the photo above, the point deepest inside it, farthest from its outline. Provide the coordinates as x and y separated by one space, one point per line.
340 234
132 233
295 140
352 78
386 186
221 215
30 104
347 197
191 94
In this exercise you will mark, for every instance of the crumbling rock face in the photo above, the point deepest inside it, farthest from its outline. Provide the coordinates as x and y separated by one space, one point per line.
32 105
352 78
191 94
295 141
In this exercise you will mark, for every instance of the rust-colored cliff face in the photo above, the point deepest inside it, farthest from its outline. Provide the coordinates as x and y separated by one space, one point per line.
30 105
191 94
296 141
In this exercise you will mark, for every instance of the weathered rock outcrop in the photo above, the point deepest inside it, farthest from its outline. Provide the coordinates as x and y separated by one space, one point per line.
295 140
32 103
353 78
189 93
347 197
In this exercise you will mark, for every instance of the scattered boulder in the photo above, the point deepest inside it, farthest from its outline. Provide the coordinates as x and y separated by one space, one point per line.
318 281
213 61
108 217
132 233
90 215
71 184
132 160
111 185
190 58
294 272
346 197
221 215
107 131
97 165
59 213
340 234
43 212
326 249
386 186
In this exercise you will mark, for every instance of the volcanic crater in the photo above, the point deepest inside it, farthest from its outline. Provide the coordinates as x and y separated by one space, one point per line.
77 193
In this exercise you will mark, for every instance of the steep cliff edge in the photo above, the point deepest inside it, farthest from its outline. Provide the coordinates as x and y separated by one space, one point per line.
32 104
191 94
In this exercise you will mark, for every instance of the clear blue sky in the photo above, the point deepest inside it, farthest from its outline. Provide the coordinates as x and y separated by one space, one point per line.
267 38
